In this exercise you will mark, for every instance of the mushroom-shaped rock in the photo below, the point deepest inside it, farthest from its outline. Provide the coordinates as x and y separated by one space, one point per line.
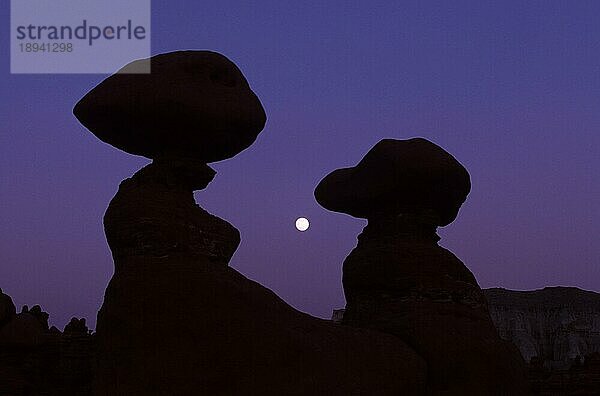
7 309
396 177
193 104
400 281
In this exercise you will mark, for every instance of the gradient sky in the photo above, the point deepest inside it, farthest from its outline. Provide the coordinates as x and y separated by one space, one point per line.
511 89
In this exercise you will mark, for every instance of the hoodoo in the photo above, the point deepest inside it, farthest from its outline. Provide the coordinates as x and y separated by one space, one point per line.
400 281
176 319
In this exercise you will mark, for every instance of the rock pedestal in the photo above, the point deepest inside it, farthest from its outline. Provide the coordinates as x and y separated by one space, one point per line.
400 281
154 215
176 319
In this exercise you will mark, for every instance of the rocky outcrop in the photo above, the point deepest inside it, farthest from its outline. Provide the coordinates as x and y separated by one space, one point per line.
39 315
37 360
76 326
24 330
7 309
400 281
176 319
558 325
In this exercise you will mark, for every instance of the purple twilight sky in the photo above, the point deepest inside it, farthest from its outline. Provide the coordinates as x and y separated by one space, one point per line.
511 89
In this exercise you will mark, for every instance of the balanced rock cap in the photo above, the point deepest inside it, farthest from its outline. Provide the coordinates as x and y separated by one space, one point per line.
395 177
193 104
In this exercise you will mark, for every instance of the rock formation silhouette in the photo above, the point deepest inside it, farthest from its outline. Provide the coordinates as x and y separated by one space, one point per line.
61 364
76 326
176 320
7 309
193 104
38 360
400 281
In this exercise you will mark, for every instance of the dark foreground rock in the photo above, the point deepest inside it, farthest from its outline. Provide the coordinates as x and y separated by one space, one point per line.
176 320
400 281
7 309
36 360
61 364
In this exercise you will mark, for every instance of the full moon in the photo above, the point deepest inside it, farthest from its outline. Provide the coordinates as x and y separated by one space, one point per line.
302 224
